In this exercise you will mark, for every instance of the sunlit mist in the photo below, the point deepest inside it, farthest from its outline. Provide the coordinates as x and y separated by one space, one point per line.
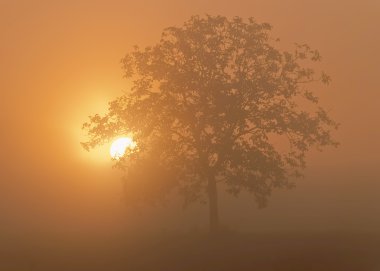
120 145
189 135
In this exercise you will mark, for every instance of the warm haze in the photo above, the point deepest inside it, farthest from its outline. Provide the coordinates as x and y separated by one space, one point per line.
60 63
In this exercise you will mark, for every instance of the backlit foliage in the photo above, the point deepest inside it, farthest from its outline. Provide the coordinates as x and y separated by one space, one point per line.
206 101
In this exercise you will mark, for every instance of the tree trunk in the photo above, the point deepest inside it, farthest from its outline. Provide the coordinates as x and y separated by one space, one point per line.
213 204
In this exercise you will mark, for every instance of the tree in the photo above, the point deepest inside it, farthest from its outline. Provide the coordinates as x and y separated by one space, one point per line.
213 102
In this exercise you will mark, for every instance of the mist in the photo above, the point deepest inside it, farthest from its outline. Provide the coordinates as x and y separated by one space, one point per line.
63 208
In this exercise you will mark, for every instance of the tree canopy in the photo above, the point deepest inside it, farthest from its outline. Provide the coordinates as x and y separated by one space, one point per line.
216 101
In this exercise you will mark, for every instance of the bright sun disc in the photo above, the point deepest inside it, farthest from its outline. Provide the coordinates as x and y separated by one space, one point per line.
119 147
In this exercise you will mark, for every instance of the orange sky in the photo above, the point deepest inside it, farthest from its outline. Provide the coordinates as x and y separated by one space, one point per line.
59 63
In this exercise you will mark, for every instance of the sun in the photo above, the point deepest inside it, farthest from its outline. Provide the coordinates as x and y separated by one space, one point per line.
120 145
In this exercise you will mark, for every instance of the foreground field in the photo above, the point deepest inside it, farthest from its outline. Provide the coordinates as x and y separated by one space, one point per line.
197 251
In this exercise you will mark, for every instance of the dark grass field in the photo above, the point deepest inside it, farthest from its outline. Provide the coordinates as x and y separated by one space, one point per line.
332 251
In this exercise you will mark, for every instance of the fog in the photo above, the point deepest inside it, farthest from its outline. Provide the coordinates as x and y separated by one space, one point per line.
60 63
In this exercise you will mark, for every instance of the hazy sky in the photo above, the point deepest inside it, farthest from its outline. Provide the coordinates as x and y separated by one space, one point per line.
59 63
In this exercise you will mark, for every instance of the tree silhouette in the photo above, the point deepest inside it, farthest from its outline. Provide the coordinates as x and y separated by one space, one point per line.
213 102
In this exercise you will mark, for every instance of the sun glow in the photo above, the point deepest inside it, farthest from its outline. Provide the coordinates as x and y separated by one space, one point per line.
120 145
